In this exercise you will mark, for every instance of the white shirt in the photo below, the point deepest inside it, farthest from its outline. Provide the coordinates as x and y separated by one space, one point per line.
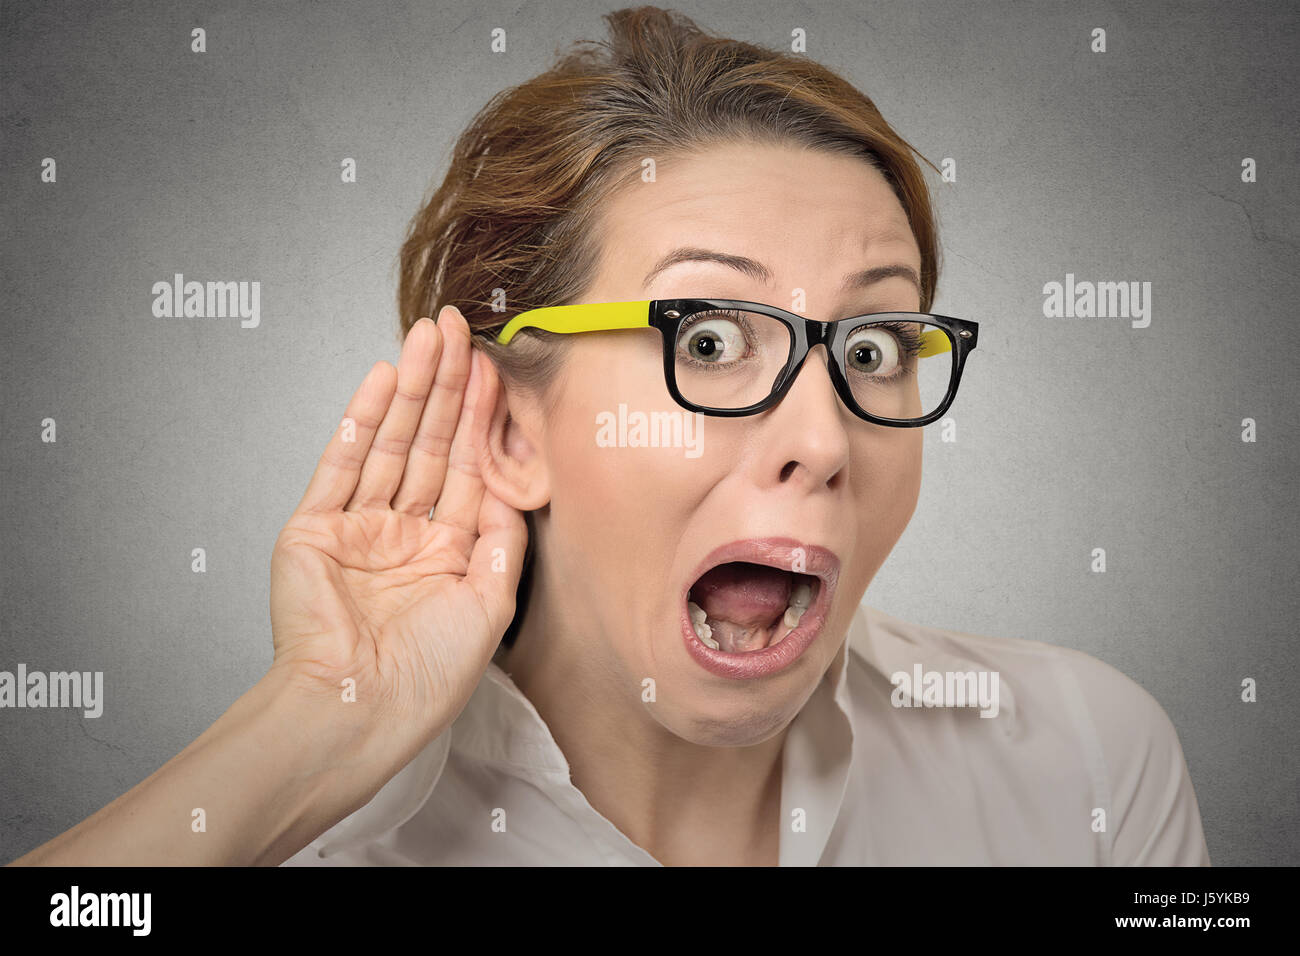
1080 766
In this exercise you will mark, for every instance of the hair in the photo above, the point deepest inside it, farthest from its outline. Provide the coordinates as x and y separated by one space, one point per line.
515 225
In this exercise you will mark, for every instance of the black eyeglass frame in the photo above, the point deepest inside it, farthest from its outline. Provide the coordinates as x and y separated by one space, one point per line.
668 315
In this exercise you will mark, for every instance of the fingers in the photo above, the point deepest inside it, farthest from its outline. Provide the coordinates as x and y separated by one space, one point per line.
336 475
497 559
426 461
462 489
382 471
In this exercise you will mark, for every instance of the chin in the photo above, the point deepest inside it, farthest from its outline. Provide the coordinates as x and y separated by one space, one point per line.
742 722
710 713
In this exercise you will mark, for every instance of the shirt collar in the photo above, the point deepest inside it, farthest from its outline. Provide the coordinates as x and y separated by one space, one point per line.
499 724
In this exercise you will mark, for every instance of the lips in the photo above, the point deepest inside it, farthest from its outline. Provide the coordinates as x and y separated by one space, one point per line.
770 618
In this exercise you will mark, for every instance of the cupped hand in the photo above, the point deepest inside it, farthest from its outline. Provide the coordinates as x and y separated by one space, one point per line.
398 569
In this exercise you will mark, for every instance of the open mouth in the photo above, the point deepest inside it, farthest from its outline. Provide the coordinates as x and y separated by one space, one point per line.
739 606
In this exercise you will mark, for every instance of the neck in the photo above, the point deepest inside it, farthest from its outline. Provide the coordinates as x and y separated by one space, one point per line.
681 802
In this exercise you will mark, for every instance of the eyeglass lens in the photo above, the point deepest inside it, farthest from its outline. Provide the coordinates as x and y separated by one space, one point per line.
728 359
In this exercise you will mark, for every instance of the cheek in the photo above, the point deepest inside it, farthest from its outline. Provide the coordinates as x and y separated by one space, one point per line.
886 485
902 462
615 506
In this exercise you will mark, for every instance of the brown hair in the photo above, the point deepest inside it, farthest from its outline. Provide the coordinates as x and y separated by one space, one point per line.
515 220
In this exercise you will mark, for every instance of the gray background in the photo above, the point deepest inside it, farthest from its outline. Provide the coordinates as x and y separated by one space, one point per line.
1072 434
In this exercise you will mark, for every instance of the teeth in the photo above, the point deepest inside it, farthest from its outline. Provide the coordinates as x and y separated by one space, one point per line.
705 633
696 612
800 598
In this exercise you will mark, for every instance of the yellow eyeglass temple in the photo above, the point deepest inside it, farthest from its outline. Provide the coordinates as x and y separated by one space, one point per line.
604 316
593 317
934 342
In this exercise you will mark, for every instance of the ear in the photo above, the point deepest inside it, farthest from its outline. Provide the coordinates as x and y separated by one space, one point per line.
508 444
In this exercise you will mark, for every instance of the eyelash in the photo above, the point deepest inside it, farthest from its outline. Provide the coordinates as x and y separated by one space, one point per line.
909 344
699 317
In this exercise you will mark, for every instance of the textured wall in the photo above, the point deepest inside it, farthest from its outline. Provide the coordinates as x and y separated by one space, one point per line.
1072 433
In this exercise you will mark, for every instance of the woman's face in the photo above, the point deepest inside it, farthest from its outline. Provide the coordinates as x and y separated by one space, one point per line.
803 487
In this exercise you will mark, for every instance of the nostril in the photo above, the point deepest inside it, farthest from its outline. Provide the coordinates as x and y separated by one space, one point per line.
788 470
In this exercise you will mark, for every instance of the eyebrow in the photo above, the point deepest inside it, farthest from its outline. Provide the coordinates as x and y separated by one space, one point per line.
756 270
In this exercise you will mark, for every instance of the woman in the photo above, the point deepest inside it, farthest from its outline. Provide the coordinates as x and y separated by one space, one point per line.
686 675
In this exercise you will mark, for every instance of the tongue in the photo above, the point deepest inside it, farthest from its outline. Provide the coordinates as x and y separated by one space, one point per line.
742 601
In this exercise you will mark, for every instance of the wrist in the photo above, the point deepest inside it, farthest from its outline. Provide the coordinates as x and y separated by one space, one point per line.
332 735
358 718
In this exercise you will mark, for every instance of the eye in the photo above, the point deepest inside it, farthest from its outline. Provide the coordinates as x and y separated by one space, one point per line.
714 341
872 351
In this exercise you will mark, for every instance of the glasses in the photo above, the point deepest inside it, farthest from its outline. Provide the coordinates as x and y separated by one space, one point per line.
728 357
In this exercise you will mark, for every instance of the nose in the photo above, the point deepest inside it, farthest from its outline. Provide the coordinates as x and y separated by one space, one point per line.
807 440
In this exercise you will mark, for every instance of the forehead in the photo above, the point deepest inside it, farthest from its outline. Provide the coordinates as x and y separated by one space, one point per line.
805 213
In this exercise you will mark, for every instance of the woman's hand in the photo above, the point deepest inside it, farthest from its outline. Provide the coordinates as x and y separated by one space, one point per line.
364 585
